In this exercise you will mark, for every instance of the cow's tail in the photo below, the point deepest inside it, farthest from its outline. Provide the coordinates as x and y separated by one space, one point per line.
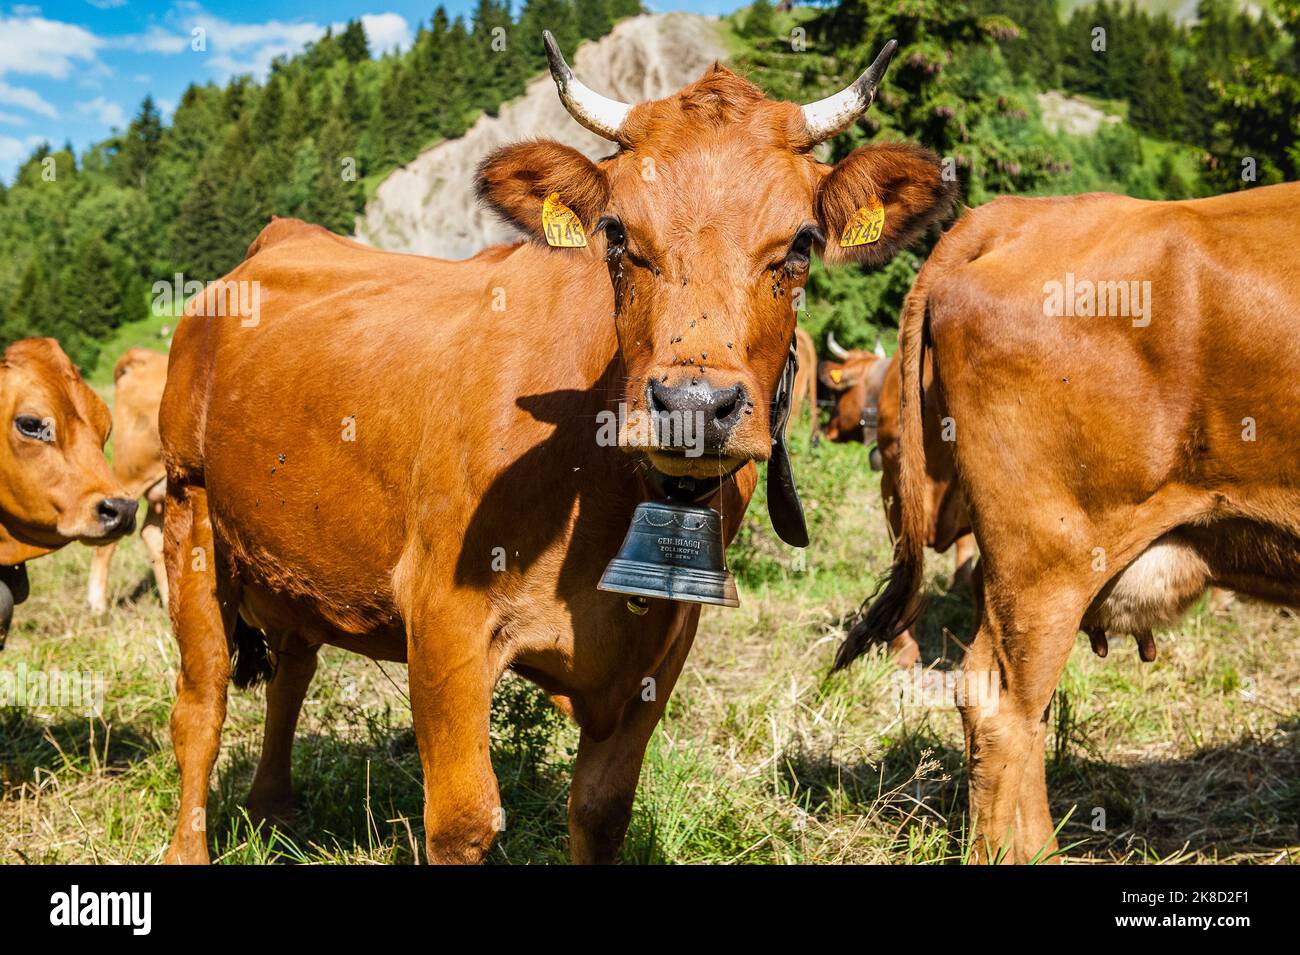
896 608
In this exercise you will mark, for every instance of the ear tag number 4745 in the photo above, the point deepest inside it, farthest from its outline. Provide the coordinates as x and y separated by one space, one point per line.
864 226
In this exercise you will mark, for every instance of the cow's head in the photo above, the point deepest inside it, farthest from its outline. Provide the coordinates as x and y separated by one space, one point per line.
707 215
854 379
57 486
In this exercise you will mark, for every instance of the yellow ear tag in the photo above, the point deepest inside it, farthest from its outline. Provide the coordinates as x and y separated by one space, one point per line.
561 224
836 375
865 225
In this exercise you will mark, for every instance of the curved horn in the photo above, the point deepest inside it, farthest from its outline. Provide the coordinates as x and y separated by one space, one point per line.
600 114
835 348
834 114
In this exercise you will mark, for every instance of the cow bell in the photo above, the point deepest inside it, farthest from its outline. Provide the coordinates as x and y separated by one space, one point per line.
13 590
673 551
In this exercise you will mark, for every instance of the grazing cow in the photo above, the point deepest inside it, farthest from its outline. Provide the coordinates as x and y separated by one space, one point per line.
354 468
138 377
57 485
855 380
1120 374
805 383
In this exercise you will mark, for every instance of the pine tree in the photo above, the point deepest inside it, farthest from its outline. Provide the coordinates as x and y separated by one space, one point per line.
94 301
354 43
335 193
760 21
1157 100
618 9
138 146
593 17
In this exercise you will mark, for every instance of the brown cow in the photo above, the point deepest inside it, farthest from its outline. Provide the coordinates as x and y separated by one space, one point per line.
947 522
352 467
854 379
138 377
57 485
1121 375
805 383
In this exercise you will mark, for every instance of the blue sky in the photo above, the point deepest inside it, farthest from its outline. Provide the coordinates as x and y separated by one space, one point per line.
75 69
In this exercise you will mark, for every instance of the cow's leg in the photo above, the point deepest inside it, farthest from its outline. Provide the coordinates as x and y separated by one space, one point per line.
905 650
964 561
97 588
451 679
606 774
151 533
270 799
1019 651
200 624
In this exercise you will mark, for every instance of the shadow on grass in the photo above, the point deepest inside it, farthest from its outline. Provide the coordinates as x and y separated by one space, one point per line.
146 588
29 744
364 794
1242 797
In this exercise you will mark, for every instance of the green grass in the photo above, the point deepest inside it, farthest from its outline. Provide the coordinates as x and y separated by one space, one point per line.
763 756
145 332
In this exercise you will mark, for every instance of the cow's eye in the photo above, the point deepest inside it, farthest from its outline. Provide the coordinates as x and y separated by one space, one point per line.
615 235
30 426
801 245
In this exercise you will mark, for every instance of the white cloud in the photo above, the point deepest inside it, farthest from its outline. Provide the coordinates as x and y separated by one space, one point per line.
385 31
107 4
36 46
12 119
107 112
26 99
14 150
157 40
234 48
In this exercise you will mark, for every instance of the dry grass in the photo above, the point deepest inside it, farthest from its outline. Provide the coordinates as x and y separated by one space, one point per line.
763 757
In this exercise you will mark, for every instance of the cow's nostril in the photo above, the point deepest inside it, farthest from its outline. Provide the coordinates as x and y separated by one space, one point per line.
660 398
116 514
726 403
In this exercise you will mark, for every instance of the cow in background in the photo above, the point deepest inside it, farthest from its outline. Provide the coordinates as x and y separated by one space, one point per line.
1121 377
854 379
57 486
138 379
805 384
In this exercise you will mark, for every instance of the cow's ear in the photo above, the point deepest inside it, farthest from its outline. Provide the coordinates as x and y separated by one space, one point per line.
834 376
516 180
878 199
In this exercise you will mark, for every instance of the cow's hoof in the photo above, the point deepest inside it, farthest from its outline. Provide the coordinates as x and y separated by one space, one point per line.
268 814
905 651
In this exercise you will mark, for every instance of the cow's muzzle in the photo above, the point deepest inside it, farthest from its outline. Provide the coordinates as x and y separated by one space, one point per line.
674 548
116 516
13 591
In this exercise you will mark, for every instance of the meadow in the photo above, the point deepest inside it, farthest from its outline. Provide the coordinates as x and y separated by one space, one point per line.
763 757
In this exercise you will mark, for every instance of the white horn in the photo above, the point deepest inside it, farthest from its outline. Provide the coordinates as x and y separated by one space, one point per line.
880 349
600 114
835 348
834 114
